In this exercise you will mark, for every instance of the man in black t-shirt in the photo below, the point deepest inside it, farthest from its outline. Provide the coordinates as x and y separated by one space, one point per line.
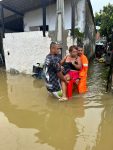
53 72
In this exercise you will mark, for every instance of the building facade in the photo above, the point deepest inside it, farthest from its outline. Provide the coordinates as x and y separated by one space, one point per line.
40 23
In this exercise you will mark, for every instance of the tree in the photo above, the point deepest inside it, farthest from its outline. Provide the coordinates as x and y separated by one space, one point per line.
104 19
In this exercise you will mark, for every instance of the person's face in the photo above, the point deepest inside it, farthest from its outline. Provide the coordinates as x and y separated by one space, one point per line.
74 52
56 49
80 51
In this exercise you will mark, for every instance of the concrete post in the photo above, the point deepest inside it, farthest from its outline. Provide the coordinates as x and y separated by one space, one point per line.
60 24
73 18
2 21
44 16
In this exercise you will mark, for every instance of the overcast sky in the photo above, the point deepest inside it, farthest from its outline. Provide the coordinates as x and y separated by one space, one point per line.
98 4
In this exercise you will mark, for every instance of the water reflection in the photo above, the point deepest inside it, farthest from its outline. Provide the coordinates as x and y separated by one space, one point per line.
24 94
30 119
29 107
60 129
96 83
12 137
88 128
105 130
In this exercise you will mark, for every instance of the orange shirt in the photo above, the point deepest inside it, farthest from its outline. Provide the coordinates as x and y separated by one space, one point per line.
83 71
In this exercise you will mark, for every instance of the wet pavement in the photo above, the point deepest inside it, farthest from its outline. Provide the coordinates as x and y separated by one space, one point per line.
32 120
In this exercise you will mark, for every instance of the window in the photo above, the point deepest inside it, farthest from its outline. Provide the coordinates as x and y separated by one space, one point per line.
38 28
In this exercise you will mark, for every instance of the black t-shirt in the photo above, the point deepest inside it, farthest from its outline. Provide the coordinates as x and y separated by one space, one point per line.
68 66
51 68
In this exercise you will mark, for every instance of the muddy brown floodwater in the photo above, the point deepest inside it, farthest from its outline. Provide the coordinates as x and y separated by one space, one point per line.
32 120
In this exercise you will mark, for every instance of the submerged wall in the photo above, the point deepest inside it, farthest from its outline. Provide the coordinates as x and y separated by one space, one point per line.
23 50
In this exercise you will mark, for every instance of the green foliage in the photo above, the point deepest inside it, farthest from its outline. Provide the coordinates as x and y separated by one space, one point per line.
104 19
79 35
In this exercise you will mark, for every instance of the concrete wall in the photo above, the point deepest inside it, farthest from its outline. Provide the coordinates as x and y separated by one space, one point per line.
89 33
23 50
80 19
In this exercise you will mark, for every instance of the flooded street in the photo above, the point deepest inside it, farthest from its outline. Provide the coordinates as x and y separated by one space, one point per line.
32 120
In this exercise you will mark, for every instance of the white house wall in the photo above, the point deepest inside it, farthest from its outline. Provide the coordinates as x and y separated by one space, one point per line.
23 50
67 14
34 18
81 15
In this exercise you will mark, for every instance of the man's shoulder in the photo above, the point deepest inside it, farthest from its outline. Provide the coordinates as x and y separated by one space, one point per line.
52 59
48 56
48 59
53 56
84 58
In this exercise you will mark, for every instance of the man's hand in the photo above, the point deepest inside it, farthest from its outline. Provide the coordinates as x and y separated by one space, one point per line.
77 81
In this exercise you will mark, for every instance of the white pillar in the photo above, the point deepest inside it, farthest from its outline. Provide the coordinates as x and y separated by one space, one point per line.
60 22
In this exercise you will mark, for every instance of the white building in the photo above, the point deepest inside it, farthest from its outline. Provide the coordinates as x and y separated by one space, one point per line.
43 21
